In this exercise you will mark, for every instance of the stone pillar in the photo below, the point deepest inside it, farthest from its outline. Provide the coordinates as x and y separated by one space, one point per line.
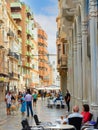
75 71
84 55
94 51
75 92
94 55
63 79
79 61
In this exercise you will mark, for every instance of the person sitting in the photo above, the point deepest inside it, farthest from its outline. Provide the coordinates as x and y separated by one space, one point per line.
75 112
85 113
57 98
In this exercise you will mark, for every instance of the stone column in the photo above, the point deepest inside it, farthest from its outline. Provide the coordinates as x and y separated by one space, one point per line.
75 71
79 60
75 62
63 79
84 52
94 51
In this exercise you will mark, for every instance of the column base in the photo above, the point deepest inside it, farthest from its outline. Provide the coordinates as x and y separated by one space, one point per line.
94 110
84 101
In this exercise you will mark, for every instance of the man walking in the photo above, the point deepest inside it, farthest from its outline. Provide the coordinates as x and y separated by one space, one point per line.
28 99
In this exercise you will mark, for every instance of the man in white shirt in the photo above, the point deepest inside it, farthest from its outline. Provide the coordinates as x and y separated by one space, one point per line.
75 112
28 99
8 102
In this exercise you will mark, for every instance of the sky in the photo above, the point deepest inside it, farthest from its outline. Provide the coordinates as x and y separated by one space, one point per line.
45 13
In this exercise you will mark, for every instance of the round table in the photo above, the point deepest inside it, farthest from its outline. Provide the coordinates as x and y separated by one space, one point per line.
59 127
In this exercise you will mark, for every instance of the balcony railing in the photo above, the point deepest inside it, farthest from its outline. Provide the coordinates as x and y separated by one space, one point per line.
10 33
16 16
16 5
19 28
29 43
28 11
62 62
29 32
4 68
1 19
13 54
68 13
46 78
29 54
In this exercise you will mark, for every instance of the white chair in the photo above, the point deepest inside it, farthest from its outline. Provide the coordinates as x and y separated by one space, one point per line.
58 103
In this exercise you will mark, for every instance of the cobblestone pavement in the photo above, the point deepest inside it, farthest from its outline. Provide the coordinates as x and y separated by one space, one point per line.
13 122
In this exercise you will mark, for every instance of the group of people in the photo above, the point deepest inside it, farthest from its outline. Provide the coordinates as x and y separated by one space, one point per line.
25 99
85 114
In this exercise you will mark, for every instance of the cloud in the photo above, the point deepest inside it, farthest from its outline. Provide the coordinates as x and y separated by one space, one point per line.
48 23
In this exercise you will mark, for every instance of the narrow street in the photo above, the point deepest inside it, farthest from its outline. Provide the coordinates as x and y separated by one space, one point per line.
13 122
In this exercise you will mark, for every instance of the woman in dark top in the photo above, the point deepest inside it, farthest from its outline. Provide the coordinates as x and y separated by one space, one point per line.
67 99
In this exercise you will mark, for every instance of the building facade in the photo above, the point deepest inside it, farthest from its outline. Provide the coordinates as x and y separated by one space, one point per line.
43 57
78 23
3 50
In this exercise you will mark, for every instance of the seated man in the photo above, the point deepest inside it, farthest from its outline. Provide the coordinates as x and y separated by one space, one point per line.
75 112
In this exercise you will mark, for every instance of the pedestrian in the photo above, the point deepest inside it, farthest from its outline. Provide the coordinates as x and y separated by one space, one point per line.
42 94
67 99
45 93
35 95
8 102
23 105
28 99
85 113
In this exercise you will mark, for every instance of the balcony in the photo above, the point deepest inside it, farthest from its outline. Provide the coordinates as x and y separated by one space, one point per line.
13 55
16 5
4 68
62 62
46 78
20 40
32 17
16 16
11 74
10 33
19 28
29 32
1 19
28 11
57 34
32 46
29 54
29 43
29 65
68 13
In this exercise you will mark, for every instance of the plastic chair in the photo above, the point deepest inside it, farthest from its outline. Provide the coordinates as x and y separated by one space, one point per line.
25 125
37 120
91 116
96 125
76 122
41 123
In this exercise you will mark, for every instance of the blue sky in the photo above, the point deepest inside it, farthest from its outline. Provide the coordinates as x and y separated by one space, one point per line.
45 13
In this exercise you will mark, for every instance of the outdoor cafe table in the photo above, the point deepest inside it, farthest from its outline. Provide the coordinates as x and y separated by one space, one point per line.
59 127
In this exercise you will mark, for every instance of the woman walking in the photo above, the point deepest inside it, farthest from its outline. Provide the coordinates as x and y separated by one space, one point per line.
23 105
